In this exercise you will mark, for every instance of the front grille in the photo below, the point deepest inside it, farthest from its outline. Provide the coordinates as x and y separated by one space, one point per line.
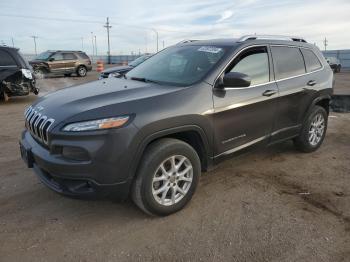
38 124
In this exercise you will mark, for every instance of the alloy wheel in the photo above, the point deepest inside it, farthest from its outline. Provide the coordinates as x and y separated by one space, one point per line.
172 180
316 129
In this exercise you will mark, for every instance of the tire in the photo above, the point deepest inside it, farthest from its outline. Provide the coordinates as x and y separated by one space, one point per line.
338 69
161 152
309 142
81 71
39 73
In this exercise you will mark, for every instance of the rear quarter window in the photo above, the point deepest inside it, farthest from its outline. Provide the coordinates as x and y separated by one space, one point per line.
288 61
6 59
311 61
83 56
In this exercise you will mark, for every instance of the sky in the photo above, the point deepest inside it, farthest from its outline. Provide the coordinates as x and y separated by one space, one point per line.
67 24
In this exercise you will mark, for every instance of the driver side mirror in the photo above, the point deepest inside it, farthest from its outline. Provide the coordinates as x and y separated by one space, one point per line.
235 80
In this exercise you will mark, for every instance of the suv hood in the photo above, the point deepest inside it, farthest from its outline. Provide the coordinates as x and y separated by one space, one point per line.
36 61
116 69
107 97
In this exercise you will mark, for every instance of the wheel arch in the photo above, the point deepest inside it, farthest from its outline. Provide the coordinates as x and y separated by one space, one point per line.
191 134
323 101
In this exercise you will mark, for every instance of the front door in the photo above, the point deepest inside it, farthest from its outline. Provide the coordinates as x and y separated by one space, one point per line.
244 116
57 64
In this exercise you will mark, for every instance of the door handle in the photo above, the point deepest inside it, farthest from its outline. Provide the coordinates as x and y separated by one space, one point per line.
311 83
269 92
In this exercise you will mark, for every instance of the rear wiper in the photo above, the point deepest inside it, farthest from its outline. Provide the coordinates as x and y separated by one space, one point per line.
142 79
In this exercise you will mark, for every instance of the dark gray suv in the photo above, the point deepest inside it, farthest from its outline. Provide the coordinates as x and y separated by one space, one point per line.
151 133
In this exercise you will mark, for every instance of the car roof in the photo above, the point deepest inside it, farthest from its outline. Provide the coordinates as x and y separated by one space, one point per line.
8 48
73 51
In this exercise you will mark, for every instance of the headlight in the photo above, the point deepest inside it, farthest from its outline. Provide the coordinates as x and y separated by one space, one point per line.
99 124
27 73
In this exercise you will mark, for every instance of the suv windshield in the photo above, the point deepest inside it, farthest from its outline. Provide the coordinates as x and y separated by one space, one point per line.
43 56
138 61
179 65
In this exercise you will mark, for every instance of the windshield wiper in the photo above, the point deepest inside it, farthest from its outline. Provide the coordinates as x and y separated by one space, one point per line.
142 79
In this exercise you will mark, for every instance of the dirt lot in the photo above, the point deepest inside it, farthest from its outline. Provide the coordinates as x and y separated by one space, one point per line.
269 205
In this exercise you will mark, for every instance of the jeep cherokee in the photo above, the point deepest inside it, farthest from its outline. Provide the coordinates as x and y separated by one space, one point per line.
151 133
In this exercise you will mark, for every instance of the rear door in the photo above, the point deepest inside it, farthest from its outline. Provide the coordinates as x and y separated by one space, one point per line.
244 116
70 60
292 82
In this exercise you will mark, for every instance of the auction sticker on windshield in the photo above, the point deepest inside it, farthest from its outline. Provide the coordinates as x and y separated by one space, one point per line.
210 49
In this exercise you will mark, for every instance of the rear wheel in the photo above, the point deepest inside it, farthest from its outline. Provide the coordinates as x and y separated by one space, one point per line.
167 177
313 131
81 71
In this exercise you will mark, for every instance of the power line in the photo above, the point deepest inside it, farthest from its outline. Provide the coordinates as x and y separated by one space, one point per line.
87 21
51 18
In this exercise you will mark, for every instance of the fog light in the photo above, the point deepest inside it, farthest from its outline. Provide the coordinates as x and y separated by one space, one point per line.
75 153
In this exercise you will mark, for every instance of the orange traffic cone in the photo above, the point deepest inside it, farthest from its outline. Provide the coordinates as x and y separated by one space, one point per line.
100 66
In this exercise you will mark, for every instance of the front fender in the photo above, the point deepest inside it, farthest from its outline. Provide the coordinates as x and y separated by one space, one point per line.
144 140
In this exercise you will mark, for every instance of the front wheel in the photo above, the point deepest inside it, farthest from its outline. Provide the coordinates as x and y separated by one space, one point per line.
39 73
167 177
313 131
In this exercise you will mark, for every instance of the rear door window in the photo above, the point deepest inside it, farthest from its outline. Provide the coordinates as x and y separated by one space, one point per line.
69 56
311 61
288 62
6 59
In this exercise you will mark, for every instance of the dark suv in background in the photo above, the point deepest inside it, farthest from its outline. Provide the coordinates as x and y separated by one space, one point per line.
334 63
61 63
16 78
118 71
152 132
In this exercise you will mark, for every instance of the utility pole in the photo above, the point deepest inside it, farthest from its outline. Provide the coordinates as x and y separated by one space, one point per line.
95 46
108 26
34 38
157 35
82 44
92 42
325 42
13 43
163 44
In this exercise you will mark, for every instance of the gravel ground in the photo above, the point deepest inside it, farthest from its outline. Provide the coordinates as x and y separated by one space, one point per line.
273 204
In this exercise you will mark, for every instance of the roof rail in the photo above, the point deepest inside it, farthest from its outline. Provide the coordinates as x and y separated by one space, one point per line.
272 37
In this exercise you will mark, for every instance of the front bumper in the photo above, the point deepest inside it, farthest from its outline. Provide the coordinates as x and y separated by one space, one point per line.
97 177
